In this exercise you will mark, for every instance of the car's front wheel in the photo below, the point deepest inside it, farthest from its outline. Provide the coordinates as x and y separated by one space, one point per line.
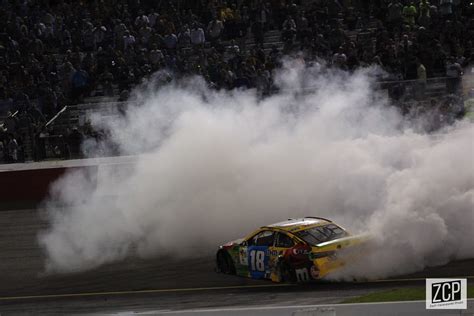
225 263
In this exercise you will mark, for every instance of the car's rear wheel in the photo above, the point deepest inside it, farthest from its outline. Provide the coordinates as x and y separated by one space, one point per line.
225 263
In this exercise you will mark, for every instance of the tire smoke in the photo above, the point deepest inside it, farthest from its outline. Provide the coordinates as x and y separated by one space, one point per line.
214 165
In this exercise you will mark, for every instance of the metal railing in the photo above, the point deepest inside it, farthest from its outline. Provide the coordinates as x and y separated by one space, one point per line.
52 142
54 118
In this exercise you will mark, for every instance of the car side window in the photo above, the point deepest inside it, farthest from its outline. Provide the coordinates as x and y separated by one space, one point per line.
337 231
283 240
252 241
264 238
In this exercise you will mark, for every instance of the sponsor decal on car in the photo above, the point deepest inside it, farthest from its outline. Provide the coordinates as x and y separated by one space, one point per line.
302 275
301 250
243 256
272 252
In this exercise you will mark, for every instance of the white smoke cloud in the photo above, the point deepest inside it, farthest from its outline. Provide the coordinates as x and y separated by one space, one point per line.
219 164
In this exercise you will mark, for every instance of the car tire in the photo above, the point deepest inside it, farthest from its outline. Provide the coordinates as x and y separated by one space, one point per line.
225 263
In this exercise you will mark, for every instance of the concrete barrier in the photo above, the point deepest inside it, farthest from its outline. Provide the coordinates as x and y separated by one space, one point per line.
31 185
31 182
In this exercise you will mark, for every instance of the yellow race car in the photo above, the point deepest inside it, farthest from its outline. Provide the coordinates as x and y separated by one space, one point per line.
296 250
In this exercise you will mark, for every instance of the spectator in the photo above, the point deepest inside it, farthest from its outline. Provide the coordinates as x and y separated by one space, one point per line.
424 18
184 37
156 56
128 40
409 13
74 141
170 40
454 74
12 149
197 36
446 9
264 15
469 106
88 37
106 79
3 152
145 32
152 18
142 20
288 30
421 80
340 59
215 29
79 84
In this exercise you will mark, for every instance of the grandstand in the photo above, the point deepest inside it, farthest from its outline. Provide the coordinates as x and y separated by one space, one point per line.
63 60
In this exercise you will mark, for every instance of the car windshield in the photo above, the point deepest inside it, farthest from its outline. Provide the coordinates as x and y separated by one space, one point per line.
320 234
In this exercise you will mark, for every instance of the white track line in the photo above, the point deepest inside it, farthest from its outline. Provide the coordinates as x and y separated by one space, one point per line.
198 289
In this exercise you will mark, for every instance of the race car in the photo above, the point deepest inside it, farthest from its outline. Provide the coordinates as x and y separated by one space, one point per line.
296 250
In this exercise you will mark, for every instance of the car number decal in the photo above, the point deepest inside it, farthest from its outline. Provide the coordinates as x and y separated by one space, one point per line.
258 261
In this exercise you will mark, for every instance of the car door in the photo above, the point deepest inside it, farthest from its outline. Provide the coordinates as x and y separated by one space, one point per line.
281 243
258 254
286 246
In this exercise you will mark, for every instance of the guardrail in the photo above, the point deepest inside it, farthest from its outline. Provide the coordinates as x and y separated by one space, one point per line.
54 118
2 119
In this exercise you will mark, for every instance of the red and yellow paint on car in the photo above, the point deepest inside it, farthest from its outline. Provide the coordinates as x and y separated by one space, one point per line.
296 250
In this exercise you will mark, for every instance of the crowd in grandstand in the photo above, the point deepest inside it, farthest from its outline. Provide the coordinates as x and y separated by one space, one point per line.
57 52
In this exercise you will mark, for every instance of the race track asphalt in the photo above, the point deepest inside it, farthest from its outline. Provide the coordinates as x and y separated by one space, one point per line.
153 284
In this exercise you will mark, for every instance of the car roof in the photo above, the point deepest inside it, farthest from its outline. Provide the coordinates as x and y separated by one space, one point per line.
297 224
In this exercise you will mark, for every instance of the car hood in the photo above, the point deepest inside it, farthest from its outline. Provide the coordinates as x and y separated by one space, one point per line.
232 243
